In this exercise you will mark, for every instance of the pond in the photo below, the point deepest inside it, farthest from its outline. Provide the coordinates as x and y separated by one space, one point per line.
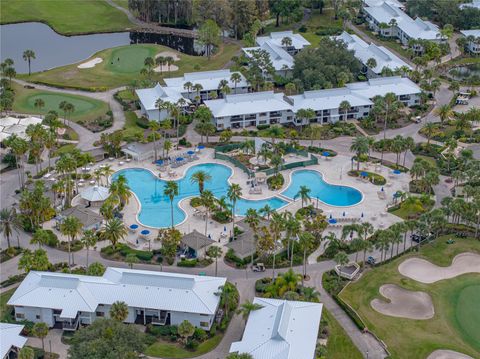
469 72
54 50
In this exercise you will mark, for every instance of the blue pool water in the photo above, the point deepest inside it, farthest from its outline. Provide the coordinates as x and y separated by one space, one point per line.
155 210
333 195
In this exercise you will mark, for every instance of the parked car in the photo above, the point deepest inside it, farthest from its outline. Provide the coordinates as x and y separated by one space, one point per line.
371 260
418 238
259 267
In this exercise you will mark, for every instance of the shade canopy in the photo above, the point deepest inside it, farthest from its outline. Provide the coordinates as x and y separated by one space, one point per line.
159 162
364 174
145 232
190 152
179 158
134 226
201 147
397 172
326 153
332 221
95 194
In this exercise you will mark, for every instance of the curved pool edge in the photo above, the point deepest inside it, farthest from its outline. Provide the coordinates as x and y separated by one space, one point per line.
329 183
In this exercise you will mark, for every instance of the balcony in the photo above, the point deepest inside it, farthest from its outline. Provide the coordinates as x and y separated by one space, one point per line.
71 325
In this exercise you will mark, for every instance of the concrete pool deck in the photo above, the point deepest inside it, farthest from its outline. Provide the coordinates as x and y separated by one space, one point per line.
334 171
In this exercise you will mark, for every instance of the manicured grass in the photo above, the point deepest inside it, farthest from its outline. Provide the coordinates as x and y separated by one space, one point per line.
4 312
167 350
122 65
389 43
66 148
66 17
122 3
449 329
131 128
339 344
86 109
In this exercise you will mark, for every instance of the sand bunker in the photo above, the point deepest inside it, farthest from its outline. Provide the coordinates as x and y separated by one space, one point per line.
423 271
165 68
91 63
447 354
404 303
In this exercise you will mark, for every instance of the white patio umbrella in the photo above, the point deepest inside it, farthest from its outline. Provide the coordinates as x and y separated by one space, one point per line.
95 194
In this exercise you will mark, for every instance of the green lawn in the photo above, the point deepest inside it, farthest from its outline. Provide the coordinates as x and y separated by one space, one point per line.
122 3
122 65
4 312
453 326
389 43
167 350
86 109
339 344
66 17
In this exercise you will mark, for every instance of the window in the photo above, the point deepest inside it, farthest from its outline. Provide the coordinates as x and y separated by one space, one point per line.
204 324
37 316
100 314
19 315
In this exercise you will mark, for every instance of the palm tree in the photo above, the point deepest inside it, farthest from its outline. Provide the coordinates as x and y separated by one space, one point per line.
119 311
304 194
40 330
305 115
188 86
305 240
7 223
227 294
371 63
39 103
88 240
71 227
341 258
114 231
207 200
248 307
266 211
390 102
445 112
185 330
28 55
429 130
171 190
198 88
310 294
235 78
40 237
234 193
154 126
200 177
215 252
26 353
344 106
361 147
119 189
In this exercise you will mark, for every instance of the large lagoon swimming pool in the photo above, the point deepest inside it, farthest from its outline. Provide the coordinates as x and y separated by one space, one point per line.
333 195
155 206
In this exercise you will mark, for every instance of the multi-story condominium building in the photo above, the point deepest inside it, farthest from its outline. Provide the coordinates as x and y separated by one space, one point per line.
261 108
391 21
395 3
474 4
208 80
384 58
64 300
281 329
281 47
473 40
326 104
252 109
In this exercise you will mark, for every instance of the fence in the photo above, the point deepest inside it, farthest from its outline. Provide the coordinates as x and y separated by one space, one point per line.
312 161
222 156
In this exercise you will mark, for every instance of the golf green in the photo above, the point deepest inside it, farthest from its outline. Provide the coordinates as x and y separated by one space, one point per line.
86 108
467 314
129 59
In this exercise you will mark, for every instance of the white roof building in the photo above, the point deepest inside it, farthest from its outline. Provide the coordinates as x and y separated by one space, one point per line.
72 293
10 338
328 99
241 104
400 86
275 38
208 79
30 121
414 29
467 33
95 194
280 58
395 3
149 96
474 4
281 330
364 52
8 121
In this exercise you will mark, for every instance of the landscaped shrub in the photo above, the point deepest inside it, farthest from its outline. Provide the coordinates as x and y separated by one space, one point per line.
195 202
375 178
275 182
142 122
52 239
262 284
189 263
231 258
222 216
263 127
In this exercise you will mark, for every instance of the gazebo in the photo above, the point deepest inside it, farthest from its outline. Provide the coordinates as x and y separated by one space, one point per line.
196 242
95 196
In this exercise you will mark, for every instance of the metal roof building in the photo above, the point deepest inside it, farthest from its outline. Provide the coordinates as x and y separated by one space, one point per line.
364 51
281 329
275 38
149 96
10 339
147 293
208 79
